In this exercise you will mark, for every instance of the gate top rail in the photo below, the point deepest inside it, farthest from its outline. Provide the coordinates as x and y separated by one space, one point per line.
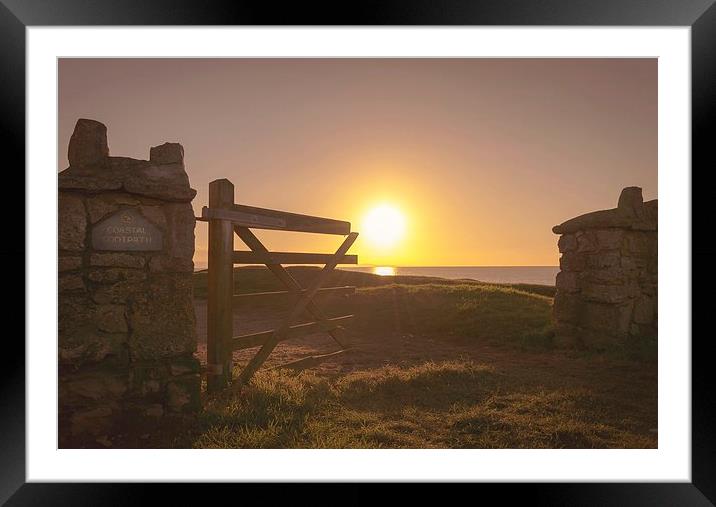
262 218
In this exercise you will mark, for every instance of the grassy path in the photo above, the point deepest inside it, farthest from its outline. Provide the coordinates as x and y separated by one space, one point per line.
446 366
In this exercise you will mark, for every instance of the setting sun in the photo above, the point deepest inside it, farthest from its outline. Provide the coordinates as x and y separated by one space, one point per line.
384 226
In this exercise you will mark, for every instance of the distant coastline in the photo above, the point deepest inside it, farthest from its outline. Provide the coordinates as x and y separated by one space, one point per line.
540 275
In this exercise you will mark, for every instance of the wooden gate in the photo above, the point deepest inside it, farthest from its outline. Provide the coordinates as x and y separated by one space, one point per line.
225 219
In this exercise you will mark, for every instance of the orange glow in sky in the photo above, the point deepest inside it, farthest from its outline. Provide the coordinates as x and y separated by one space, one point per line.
435 162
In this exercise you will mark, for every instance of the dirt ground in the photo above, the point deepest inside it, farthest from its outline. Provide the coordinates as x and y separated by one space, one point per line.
628 388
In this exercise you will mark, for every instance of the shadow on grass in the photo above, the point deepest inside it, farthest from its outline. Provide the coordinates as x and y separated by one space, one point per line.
450 404
269 413
430 386
561 419
388 407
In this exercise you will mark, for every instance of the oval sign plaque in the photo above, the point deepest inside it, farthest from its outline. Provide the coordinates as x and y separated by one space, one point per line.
126 230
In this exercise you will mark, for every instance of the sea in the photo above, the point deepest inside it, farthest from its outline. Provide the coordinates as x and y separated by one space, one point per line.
540 275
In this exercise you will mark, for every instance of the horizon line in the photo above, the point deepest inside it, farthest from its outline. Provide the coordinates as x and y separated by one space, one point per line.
346 266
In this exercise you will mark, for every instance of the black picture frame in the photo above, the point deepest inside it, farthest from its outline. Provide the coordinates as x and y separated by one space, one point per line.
700 15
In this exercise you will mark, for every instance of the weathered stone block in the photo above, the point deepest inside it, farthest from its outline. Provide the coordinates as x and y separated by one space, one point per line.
649 288
645 310
109 176
163 263
631 202
637 244
567 243
643 331
75 312
117 293
80 341
89 179
100 207
114 275
651 210
606 276
567 281
183 394
111 318
88 144
181 223
144 371
609 239
167 181
628 263
148 380
96 385
69 263
586 242
104 204
603 260
94 421
71 222
606 293
154 410
184 365
151 387
119 260
167 153
155 214
572 261
162 320
71 283
611 319
88 347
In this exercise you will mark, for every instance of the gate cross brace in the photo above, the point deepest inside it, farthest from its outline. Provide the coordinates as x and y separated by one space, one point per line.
304 303
250 239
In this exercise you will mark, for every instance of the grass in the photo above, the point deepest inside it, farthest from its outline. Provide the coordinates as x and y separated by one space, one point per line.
482 373
258 279
467 310
449 404
459 313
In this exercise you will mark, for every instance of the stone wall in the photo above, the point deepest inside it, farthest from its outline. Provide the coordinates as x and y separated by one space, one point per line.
126 318
607 284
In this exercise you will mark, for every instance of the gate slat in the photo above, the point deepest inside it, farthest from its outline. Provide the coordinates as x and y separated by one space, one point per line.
255 339
309 361
240 298
262 218
244 257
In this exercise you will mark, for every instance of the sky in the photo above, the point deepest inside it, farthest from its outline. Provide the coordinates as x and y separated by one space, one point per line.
475 159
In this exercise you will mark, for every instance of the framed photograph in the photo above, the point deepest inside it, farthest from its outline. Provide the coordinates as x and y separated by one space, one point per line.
419 244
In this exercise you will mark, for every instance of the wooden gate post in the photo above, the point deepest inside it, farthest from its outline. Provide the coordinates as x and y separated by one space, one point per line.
220 289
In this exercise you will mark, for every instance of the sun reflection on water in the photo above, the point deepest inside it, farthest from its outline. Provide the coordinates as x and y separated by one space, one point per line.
384 270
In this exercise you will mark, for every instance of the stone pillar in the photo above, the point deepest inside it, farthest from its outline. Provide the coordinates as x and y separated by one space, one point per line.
607 284
126 317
